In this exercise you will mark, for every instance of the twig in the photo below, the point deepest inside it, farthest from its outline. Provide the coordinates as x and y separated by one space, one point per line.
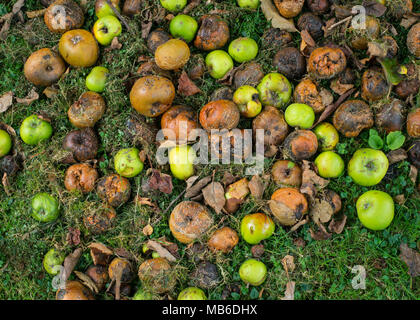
118 15
340 22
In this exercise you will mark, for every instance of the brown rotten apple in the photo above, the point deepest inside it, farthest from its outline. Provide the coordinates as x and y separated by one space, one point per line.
352 117
301 145
220 114
74 290
79 48
307 92
87 110
311 23
289 8
172 55
223 239
290 62
80 177
250 74
287 174
411 84
64 15
374 85
318 6
180 120
114 189
213 33
156 274
276 38
413 40
391 116
120 272
326 62
288 205
83 144
152 95
413 123
100 220
99 275
156 38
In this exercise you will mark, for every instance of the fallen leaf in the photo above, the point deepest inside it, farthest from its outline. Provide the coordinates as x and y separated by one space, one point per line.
70 263
163 252
124 253
257 250
321 211
400 199
31 97
327 28
145 201
288 263
228 77
326 96
374 8
299 224
277 21
214 196
319 235
115 44
7 18
413 174
228 178
160 181
195 189
256 186
145 29
307 38
289 294
299 242
148 230
395 156
87 281
191 5
50 92
73 237
185 85
6 100
411 259
100 253
340 88
377 49
409 19
337 226
6 184
36 13
311 182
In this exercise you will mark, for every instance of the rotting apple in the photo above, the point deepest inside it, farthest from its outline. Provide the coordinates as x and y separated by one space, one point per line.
79 48
127 162
256 227
63 15
181 160
96 79
184 27
52 261
219 63
74 290
329 164
247 100
5 143
375 209
173 5
327 136
248 4
34 130
253 272
368 166
275 90
299 115
45 208
243 49
102 8
192 293
172 55
107 28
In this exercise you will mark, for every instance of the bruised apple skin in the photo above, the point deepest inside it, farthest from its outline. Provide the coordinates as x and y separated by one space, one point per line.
181 121
79 48
250 74
413 40
288 205
189 220
289 8
87 110
152 95
352 117
220 114
64 15
156 38
80 177
213 33
223 239
101 220
290 62
413 123
374 85
44 67
172 55
307 92
391 116
74 290
286 173
83 144
301 145
114 189
156 274
326 62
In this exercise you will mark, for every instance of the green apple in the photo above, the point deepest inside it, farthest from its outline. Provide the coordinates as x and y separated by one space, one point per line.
142 294
127 162
173 5
256 227
253 272
96 79
375 209
327 136
102 8
329 164
34 130
243 49
248 4
192 293
247 100
106 28
181 160
368 166
219 63
184 27
53 259
5 143
275 90
299 115
44 207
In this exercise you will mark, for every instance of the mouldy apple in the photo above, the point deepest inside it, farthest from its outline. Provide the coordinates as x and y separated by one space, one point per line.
181 160
253 272
5 143
44 207
329 164
96 79
107 28
127 162
368 166
34 130
375 209
299 115
184 27
218 63
247 100
192 293
275 90
52 260
243 49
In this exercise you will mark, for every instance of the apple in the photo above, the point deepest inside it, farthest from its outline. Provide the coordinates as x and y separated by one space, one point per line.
368 166
34 129
127 162
256 227
329 164
142 294
173 5
253 272
248 4
247 100
102 8
299 115
5 143
219 63
275 90
192 293
327 136
184 27
96 79
375 209
53 259
243 49
44 207
181 159
106 28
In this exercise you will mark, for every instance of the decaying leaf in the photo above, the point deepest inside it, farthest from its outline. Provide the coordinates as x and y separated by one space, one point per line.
228 178
6 184
115 44
311 182
377 49
337 226
228 77
411 259
36 13
160 181
289 294
307 38
374 8
186 86
124 253
340 88
6 100
100 253
299 224
326 96
31 97
277 21
145 29
413 174
50 92
214 196
73 236
148 230
320 234
288 263
397 155
191 5
257 250
70 263
87 281
409 19
163 252
256 186
195 189
321 211
7 18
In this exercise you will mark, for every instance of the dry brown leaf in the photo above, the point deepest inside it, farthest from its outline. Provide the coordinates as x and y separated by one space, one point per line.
289 294
411 259
327 28
326 96
145 29
195 190
374 8
70 263
100 253
256 186
73 236
6 184
185 85
307 38
395 156
340 88
163 252
7 18
228 178
321 211
31 97
148 230
36 13
409 19
160 181
50 92
288 264
214 196
257 250
277 21
311 182
413 174
6 100
87 281
337 226
191 5
319 235
299 224
115 44
377 49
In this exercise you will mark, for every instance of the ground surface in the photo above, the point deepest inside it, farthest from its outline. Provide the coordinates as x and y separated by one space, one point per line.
323 268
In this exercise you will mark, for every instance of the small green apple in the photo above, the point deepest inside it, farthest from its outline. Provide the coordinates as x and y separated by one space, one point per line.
375 209
34 130
299 115
275 90
5 143
192 293
127 162
102 8
327 136
106 28
181 159
142 294
247 100
368 166
184 27
96 79
248 4
52 261
253 272
256 227
44 207
219 63
329 164
243 49
173 5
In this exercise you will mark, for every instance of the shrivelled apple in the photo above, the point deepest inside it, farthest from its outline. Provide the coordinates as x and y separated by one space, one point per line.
106 28
219 63
173 5
375 209
275 90
5 143
249 4
96 79
34 129
253 272
247 100
256 227
192 293
181 160
127 162
327 136
44 207
184 27
299 115
243 49
52 260
368 166
329 164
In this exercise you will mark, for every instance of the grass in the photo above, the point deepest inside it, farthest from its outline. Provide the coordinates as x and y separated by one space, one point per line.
323 268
